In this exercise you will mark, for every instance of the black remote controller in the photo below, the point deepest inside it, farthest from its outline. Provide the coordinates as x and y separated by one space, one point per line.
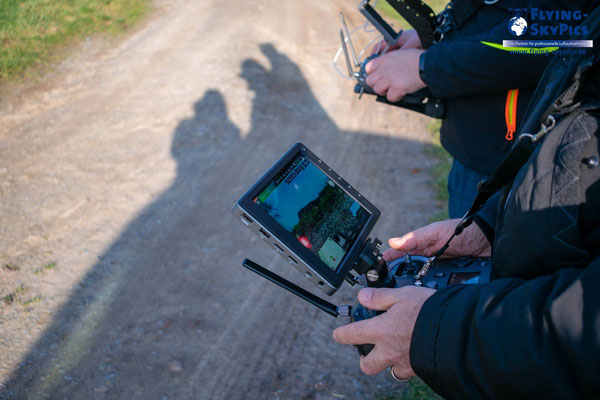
444 272
420 101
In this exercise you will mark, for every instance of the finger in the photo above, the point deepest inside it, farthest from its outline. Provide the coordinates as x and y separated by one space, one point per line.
394 94
393 254
372 66
380 299
381 87
372 79
359 332
374 362
425 240
405 243
403 372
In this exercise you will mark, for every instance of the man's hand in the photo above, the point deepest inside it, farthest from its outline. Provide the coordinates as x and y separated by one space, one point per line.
428 239
407 40
395 74
390 332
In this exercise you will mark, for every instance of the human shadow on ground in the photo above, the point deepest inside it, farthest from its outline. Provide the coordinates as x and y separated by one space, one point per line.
167 312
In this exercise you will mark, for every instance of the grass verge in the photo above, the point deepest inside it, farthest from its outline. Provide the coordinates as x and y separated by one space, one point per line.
32 32
416 389
440 170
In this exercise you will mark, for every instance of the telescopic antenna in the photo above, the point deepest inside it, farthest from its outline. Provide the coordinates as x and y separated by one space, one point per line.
347 33
348 64
316 301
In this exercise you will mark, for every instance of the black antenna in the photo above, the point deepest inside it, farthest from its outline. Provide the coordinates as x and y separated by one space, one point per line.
316 301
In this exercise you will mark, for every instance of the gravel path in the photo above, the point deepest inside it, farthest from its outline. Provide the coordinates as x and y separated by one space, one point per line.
119 257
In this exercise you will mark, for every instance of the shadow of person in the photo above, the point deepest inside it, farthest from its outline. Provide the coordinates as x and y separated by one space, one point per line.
284 108
209 125
167 312
202 140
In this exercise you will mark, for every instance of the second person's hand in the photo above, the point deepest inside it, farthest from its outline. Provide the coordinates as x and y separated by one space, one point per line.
395 74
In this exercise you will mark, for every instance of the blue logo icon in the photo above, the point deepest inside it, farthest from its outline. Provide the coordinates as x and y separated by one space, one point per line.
517 26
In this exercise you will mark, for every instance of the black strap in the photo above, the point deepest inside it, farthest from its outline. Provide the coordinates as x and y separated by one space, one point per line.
456 13
507 170
420 16
431 28
505 173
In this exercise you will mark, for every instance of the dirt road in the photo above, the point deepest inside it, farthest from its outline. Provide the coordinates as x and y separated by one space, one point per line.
120 259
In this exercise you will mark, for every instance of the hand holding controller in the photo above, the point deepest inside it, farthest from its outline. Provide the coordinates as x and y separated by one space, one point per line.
394 74
390 331
398 90
427 240
402 273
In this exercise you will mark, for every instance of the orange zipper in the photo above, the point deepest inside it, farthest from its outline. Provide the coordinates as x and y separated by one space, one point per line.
510 113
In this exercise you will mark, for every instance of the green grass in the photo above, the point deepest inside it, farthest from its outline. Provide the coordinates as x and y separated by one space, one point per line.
46 267
439 172
11 267
20 290
11 297
32 32
415 390
8 299
392 16
31 301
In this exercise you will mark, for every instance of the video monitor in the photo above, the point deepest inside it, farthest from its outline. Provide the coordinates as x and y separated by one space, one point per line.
310 215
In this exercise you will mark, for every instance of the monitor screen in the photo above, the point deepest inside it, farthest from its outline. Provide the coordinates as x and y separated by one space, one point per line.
314 209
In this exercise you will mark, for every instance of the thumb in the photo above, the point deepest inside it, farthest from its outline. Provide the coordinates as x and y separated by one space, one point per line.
400 246
379 299
372 65
407 242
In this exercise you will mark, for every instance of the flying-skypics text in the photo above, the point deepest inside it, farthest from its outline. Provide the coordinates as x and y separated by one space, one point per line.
557 23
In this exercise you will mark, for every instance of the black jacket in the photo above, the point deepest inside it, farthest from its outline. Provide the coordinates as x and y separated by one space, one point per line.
534 331
475 78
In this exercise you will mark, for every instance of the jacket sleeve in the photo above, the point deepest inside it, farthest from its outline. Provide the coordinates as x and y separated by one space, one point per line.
487 216
478 64
513 338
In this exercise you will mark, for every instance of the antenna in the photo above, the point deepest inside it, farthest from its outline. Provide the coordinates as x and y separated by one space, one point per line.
347 33
343 39
316 301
